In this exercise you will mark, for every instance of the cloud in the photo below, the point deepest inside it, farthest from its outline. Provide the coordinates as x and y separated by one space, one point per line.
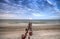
52 2
7 16
37 14
17 10
54 17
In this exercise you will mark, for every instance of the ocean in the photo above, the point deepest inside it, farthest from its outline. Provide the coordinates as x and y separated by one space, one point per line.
13 21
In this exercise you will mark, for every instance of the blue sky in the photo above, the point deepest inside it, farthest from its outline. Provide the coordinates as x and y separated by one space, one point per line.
29 9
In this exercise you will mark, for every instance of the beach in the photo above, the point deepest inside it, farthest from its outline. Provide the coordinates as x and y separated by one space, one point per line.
40 31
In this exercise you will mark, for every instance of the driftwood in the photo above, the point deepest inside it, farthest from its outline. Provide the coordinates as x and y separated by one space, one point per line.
28 31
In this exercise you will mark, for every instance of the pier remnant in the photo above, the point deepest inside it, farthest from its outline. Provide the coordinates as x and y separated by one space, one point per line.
28 31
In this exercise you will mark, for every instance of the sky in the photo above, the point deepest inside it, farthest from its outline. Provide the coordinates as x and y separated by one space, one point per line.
29 9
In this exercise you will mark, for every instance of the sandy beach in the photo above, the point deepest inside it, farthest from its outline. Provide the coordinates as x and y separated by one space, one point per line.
40 31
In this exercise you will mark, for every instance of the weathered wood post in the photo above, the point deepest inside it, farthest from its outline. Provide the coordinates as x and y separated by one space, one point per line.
28 31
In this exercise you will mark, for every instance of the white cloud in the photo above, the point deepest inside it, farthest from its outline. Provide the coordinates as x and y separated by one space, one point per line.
51 17
24 12
12 16
7 16
7 1
37 14
51 2
30 18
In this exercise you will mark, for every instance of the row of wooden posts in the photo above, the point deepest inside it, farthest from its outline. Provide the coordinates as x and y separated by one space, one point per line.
28 31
